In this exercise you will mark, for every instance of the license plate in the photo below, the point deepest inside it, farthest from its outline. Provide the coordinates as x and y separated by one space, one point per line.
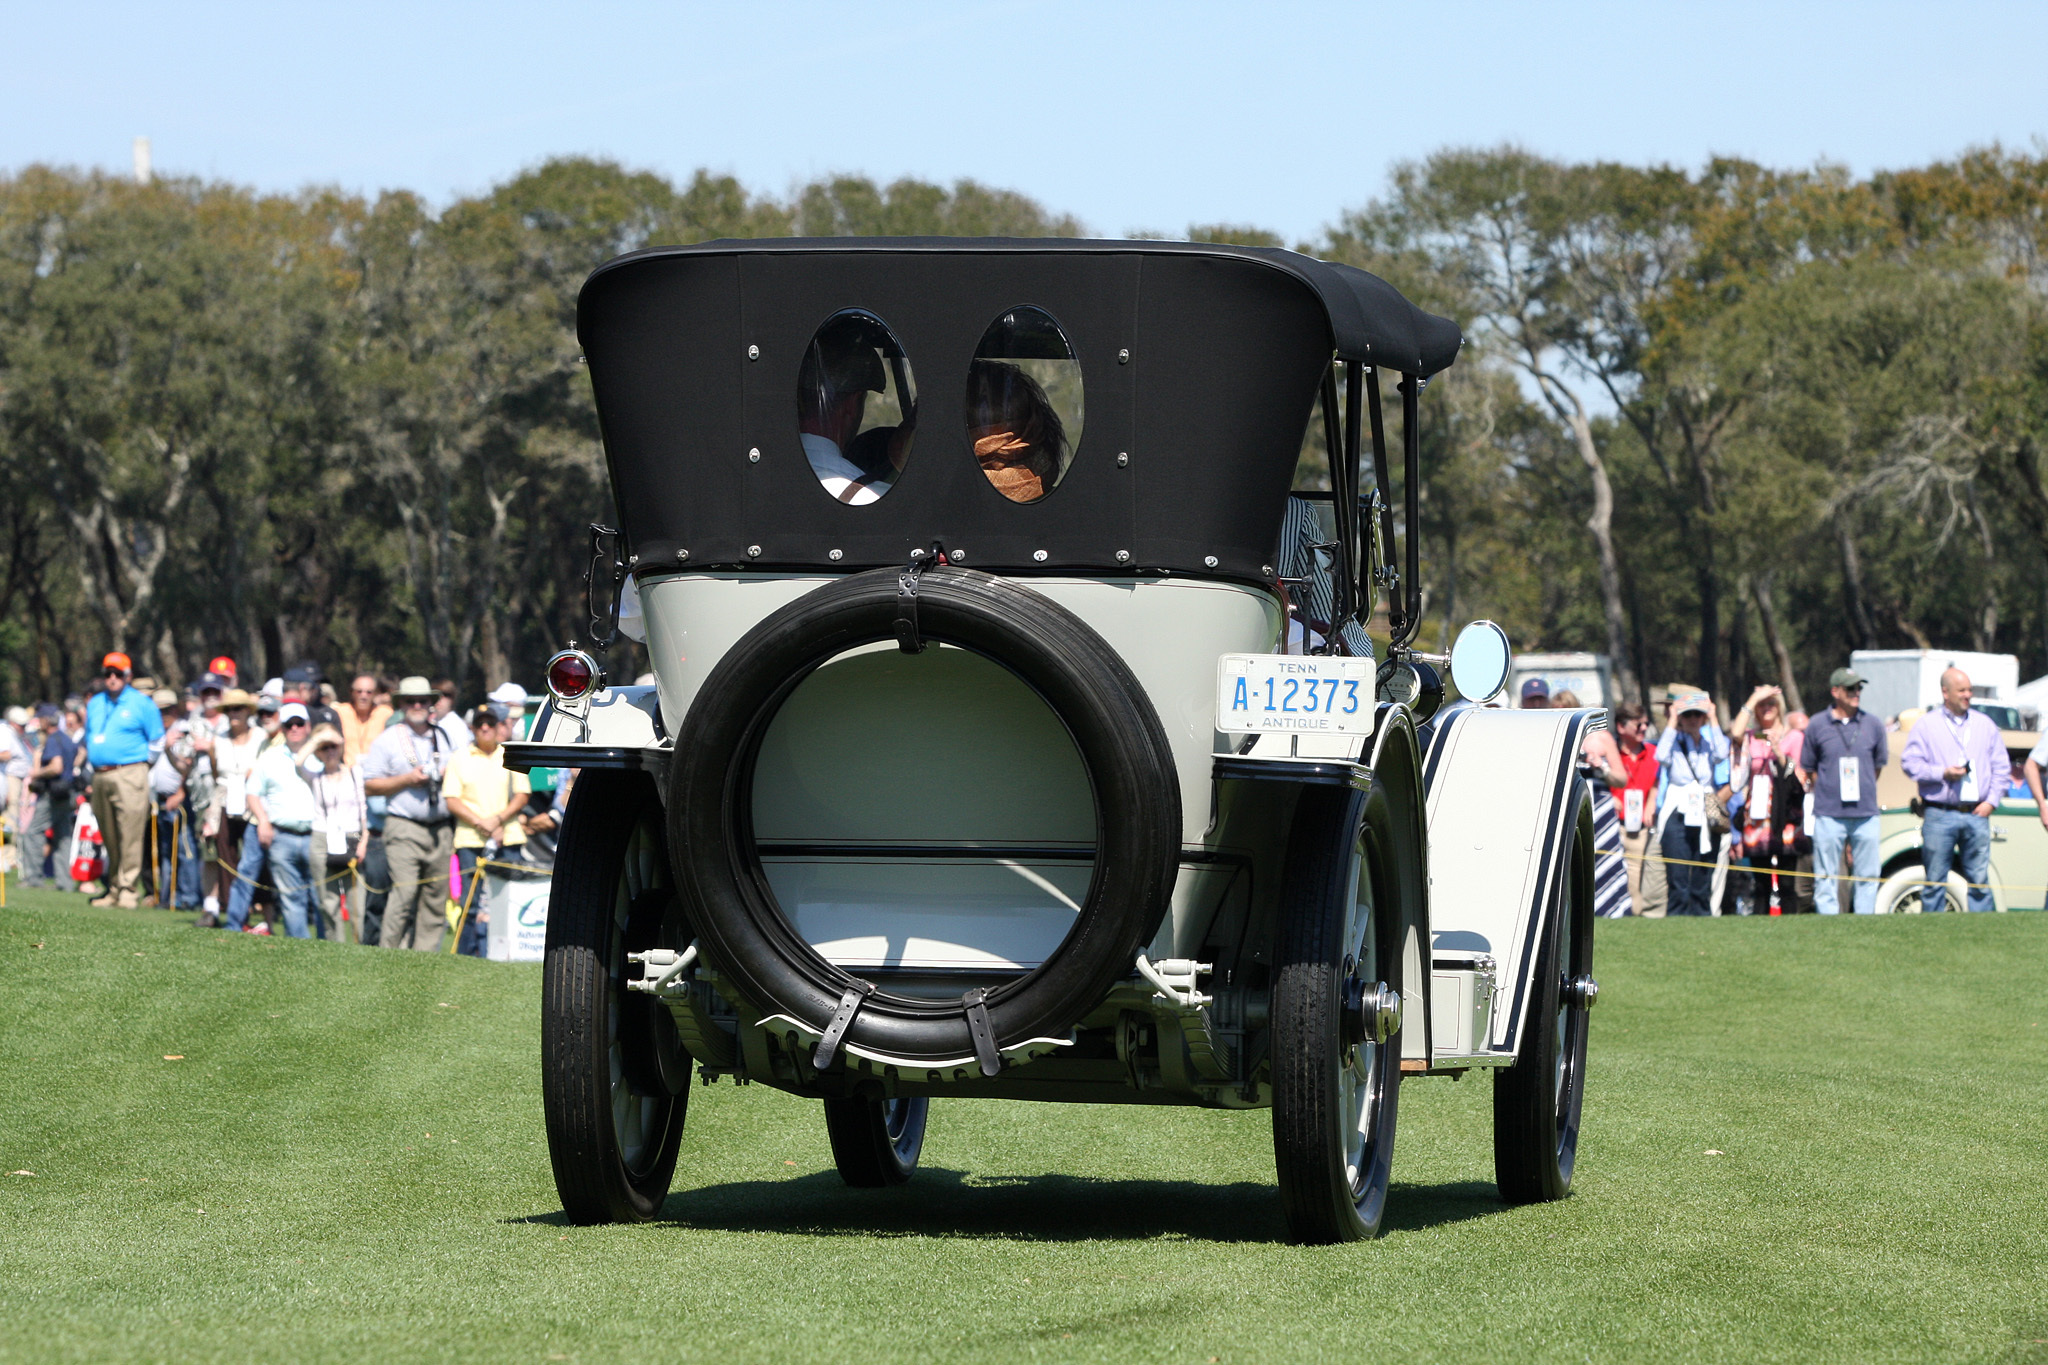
1305 693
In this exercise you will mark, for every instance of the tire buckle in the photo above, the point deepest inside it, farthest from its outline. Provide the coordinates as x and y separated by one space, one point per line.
842 1019
907 637
982 1031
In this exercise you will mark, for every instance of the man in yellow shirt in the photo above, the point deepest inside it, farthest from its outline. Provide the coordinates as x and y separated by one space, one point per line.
485 800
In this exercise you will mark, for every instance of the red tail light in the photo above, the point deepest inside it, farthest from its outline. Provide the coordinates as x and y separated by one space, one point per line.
572 675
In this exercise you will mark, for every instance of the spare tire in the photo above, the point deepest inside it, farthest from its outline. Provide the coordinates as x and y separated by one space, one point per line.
1115 728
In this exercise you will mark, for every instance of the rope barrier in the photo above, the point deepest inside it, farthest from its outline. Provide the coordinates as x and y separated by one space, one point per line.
1734 866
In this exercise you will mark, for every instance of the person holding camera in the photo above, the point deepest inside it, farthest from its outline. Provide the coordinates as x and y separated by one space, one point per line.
405 764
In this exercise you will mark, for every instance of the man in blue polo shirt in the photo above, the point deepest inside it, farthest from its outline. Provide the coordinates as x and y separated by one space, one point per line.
123 736
1839 762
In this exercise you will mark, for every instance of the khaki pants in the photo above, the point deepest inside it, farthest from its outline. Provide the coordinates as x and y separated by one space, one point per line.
120 802
417 856
1646 873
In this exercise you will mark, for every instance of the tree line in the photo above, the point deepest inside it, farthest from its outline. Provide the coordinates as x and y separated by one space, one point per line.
1722 425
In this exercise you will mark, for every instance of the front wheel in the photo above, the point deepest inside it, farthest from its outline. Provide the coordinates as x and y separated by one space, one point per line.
1537 1101
876 1142
1337 1017
614 1077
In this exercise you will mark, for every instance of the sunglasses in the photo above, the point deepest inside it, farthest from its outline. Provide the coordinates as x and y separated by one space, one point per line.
295 721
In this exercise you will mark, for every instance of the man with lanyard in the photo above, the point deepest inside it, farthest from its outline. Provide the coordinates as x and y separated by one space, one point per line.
1838 763
1958 758
123 734
282 809
1693 761
406 763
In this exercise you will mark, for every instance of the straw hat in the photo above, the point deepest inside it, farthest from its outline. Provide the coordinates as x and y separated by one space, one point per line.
413 685
234 697
324 734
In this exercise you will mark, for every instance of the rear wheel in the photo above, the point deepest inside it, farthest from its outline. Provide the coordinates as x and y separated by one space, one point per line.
1337 1017
1537 1101
876 1142
614 1077
1903 892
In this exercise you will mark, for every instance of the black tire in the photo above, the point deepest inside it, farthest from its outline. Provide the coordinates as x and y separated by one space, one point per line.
614 1078
1335 1092
1114 726
1537 1102
876 1142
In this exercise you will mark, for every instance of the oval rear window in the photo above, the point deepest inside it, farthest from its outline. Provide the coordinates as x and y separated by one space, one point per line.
1024 408
856 406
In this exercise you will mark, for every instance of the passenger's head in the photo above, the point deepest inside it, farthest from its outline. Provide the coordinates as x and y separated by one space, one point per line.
841 367
1566 700
1017 435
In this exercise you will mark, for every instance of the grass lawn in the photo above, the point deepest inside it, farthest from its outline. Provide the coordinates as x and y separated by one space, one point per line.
348 1163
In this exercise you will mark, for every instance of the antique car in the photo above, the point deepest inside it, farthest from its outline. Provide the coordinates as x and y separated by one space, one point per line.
1016 732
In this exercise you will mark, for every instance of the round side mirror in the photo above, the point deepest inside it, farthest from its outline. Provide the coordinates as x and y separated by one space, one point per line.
1481 662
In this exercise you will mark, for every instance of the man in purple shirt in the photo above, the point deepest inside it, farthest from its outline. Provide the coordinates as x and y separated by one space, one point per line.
1958 758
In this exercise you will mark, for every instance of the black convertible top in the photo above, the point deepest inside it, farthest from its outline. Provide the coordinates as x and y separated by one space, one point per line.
1200 365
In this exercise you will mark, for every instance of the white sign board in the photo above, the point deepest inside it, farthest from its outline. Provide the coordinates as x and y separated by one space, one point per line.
519 917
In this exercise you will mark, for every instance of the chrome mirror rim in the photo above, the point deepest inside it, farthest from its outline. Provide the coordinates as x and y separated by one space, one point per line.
1475 681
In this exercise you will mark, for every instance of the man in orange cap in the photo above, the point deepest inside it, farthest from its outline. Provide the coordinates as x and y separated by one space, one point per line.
123 734
224 667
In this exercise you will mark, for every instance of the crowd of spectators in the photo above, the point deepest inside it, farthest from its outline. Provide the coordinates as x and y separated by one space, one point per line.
284 809
1777 812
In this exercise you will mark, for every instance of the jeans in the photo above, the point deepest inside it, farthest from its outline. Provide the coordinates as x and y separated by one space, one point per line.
370 914
291 868
177 861
476 933
1860 833
242 894
1689 888
1942 834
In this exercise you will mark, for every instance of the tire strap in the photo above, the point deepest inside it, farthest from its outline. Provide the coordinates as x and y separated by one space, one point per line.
842 1020
907 637
981 1031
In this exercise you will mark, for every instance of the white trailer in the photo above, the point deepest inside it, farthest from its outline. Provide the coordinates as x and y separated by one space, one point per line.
1901 679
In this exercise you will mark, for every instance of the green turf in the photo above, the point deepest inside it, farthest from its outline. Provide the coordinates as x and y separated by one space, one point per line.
348 1164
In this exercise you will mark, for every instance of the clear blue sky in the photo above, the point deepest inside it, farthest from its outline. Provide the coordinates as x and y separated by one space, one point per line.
1130 116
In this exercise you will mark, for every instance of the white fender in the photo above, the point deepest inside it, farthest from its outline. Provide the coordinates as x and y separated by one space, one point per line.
1500 787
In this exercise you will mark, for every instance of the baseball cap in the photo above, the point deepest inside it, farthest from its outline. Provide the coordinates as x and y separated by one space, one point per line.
1535 687
46 711
116 659
267 703
413 685
223 666
304 671
211 680
292 711
164 698
508 694
17 715
1846 677
274 688
1691 701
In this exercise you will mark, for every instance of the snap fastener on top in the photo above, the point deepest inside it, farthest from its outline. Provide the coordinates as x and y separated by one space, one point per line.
1123 556
1123 457
1209 560
1038 555
835 555
753 352
754 455
1123 357
957 556
753 552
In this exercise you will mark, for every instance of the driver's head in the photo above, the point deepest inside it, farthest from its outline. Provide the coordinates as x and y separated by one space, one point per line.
842 366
